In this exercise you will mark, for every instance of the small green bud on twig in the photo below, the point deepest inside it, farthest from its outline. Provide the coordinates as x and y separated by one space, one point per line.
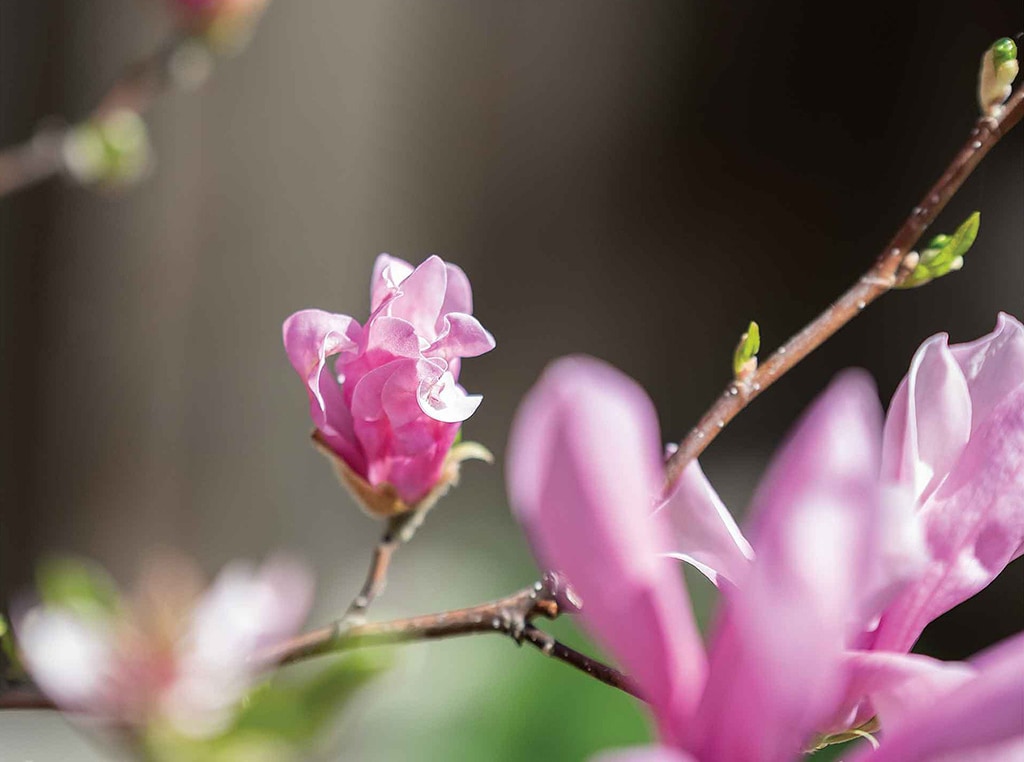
999 68
113 150
944 254
744 359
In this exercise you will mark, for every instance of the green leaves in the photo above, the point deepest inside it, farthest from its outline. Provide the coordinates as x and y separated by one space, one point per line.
744 359
78 585
944 254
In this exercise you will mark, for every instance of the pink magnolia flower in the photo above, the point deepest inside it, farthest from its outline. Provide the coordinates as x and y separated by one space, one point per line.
954 438
172 655
391 408
584 457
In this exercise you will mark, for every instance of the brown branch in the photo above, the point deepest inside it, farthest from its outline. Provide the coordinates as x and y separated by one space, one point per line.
24 698
890 269
137 88
511 616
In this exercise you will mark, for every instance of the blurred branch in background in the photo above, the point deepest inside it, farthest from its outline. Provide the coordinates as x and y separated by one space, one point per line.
110 146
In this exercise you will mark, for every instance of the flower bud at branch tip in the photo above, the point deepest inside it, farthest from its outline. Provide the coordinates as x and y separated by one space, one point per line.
999 68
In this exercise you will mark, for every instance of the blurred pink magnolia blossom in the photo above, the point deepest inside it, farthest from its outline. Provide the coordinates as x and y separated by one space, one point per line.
584 457
391 407
172 655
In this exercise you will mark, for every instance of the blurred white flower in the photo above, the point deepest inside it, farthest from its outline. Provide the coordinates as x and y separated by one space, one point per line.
169 656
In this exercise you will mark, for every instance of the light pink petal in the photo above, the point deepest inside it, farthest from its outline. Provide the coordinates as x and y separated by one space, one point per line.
444 400
983 719
644 754
388 274
894 685
706 534
974 526
310 338
584 459
421 296
929 420
390 337
993 365
776 674
71 658
461 335
459 296
244 611
900 558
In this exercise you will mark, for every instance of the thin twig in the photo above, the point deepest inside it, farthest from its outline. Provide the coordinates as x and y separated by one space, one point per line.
598 670
41 156
511 616
376 576
888 271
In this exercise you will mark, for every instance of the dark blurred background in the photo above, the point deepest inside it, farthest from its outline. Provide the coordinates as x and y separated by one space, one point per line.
634 180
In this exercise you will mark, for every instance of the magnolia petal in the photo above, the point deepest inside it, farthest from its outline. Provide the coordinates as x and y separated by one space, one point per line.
974 525
993 365
929 420
421 296
69 657
459 296
983 719
584 456
706 534
461 335
644 754
388 274
393 336
896 685
444 400
777 656
310 338
900 553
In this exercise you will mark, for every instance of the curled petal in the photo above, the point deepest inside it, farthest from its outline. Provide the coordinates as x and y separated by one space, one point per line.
929 420
777 655
444 400
973 523
388 274
421 296
459 296
706 534
584 460
982 719
461 335
993 366
390 337
310 338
